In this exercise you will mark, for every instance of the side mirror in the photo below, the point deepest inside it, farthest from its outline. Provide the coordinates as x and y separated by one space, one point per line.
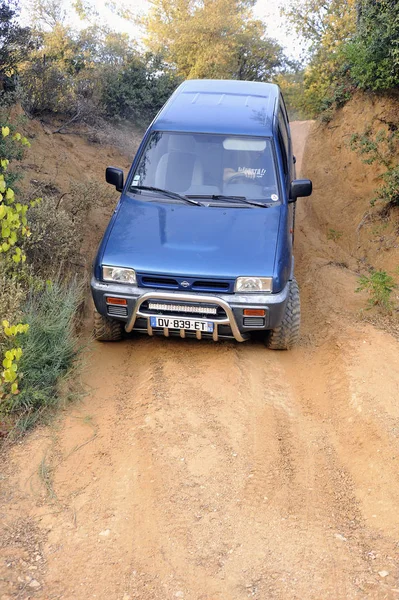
300 188
114 177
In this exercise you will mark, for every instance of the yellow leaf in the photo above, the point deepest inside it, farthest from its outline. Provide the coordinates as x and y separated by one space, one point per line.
14 388
5 131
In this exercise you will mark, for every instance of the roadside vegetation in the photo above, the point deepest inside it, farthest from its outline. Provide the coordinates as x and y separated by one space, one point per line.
349 46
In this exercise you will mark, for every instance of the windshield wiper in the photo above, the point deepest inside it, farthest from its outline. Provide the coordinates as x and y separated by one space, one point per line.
167 193
239 199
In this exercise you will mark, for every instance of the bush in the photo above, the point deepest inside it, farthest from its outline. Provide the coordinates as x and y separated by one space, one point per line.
373 55
379 285
138 90
50 348
389 192
53 240
381 148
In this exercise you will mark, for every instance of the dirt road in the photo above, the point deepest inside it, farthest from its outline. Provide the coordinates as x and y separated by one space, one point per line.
220 471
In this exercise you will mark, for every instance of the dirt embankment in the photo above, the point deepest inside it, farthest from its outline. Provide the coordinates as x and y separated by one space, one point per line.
220 471
56 161
344 184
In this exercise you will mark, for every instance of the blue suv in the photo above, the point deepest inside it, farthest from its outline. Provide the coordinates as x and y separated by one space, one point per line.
200 243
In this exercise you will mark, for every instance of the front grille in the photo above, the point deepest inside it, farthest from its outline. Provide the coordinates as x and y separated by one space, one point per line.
254 321
215 286
186 284
194 309
117 311
160 282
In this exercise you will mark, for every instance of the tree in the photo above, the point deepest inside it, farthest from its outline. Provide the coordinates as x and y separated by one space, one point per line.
212 38
325 26
14 45
137 90
373 54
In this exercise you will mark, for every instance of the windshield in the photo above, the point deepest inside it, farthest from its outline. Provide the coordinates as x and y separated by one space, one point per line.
206 165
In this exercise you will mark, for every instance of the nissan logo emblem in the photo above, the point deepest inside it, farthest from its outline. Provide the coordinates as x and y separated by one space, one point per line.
185 284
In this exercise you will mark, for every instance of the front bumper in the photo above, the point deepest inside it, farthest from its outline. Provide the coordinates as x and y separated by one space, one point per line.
231 325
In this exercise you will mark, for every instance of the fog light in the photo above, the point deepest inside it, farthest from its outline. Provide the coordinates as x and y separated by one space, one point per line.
117 301
254 312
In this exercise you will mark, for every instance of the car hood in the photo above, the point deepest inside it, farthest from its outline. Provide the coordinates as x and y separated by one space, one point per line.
165 238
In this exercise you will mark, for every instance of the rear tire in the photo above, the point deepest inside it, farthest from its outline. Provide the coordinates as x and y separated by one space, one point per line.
105 329
286 335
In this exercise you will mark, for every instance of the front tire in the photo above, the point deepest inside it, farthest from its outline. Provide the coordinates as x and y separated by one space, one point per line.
286 335
105 329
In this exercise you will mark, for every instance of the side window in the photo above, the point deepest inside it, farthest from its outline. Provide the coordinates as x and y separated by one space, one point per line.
284 131
283 151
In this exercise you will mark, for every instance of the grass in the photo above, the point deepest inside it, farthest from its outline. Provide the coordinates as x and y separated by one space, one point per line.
50 351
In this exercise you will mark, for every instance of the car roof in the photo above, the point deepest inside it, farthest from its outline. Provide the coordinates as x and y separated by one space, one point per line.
220 106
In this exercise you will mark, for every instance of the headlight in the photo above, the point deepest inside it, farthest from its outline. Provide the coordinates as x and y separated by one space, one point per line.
119 275
254 284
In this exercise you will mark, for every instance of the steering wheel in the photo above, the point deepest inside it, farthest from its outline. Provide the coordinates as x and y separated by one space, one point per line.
237 177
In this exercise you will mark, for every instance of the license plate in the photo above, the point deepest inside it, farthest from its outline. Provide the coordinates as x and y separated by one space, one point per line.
187 324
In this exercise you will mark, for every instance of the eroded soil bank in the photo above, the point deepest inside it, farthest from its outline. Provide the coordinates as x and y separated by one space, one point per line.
219 471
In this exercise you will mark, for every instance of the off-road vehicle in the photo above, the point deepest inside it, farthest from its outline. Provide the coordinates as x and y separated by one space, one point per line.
201 241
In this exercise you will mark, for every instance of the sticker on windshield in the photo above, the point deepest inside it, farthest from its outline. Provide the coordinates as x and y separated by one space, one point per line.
274 197
136 180
252 173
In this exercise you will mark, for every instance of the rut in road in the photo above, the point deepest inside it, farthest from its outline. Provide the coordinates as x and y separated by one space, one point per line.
220 471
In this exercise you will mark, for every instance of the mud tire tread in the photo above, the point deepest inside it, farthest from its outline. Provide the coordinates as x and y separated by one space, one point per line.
105 329
286 335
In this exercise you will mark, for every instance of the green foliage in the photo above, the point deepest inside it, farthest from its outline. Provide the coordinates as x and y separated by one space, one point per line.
49 348
137 90
350 44
292 86
325 26
13 228
13 220
389 192
379 286
373 54
14 46
381 148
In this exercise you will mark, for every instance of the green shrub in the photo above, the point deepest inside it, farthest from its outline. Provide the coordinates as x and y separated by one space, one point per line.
381 148
138 90
373 54
379 286
50 348
389 192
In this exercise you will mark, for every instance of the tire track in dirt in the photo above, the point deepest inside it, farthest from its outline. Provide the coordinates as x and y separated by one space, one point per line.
221 471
